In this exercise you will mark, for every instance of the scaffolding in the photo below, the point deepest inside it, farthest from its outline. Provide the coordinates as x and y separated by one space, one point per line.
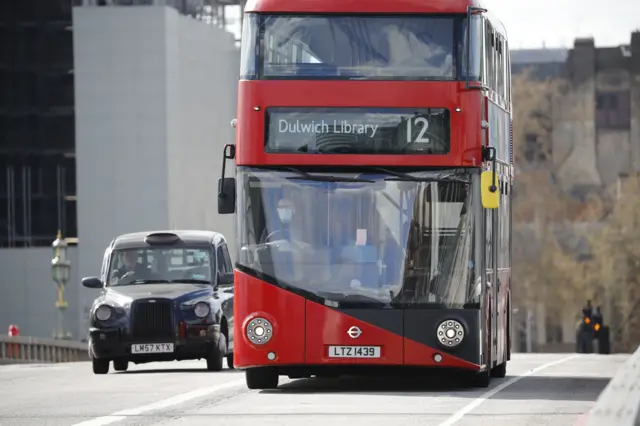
37 123
37 118
211 11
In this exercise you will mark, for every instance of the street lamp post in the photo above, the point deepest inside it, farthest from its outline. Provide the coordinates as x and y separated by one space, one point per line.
60 270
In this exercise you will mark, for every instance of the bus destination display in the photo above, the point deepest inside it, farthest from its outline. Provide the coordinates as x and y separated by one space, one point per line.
358 131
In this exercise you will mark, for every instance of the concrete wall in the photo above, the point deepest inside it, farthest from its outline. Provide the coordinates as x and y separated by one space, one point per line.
634 133
613 146
155 92
574 127
28 293
583 153
202 74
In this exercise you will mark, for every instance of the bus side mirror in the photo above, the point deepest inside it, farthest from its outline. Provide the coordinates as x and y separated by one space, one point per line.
227 185
226 195
490 193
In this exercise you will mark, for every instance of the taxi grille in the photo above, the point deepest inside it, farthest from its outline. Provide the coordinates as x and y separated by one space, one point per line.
151 320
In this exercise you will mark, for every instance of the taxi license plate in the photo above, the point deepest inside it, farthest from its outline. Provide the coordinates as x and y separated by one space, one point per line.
152 348
354 351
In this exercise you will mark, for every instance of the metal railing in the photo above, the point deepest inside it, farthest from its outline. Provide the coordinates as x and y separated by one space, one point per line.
14 350
619 402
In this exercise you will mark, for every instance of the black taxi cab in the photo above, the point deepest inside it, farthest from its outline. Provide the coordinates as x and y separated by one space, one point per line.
165 296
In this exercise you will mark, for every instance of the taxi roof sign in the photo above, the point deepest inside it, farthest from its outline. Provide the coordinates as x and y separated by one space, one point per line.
161 238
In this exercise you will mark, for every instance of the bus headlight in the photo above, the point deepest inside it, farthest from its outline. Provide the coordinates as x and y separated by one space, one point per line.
259 331
450 333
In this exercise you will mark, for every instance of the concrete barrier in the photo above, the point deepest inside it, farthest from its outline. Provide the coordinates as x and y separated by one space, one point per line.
619 402
15 350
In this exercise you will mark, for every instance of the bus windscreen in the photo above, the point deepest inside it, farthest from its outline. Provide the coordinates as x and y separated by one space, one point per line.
424 131
415 47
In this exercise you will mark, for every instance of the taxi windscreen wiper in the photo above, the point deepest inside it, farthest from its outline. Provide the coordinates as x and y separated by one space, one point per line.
142 281
307 176
407 177
190 281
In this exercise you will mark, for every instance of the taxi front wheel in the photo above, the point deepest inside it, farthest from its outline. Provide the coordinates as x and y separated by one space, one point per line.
100 366
230 361
217 355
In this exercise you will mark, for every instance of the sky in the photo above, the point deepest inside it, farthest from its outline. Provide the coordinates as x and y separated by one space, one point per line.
556 23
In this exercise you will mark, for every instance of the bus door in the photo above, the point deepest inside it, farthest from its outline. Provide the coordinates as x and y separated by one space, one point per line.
492 279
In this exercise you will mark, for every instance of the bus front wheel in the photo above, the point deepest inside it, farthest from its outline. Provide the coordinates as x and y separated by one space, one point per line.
482 379
261 378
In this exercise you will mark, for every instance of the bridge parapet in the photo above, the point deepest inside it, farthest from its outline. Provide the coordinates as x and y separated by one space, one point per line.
16 349
619 402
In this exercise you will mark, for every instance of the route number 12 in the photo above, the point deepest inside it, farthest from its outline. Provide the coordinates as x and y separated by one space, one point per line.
418 121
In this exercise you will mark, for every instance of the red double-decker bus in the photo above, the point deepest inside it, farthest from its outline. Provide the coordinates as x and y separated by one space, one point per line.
372 191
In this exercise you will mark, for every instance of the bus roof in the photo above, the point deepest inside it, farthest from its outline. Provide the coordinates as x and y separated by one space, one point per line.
370 6
360 6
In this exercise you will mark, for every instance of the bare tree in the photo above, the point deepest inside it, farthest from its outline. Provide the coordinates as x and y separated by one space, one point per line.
547 134
538 202
616 264
545 216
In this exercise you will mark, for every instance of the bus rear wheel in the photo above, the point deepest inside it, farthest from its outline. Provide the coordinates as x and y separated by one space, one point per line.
261 378
500 370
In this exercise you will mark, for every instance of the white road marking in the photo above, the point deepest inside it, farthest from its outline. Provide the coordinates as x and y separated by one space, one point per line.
14 367
458 415
577 376
165 403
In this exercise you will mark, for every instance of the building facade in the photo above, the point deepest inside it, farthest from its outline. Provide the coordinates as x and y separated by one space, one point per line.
112 119
594 140
596 120
597 124
37 135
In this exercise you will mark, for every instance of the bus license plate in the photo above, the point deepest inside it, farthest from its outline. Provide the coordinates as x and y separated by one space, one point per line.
152 348
354 351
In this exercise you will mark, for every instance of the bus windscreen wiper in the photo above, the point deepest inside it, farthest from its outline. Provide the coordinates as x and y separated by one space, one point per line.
353 298
307 176
407 177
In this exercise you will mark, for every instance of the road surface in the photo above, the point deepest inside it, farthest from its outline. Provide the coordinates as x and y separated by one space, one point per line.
540 390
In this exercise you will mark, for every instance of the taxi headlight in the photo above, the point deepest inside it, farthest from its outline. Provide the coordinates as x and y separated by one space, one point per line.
450 333
104 312
259 331
201 309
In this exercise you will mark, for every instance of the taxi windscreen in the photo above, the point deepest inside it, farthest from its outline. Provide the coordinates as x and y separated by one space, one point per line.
424 131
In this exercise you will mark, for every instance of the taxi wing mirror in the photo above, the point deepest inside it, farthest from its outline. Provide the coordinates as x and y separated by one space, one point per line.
225 279
92 282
